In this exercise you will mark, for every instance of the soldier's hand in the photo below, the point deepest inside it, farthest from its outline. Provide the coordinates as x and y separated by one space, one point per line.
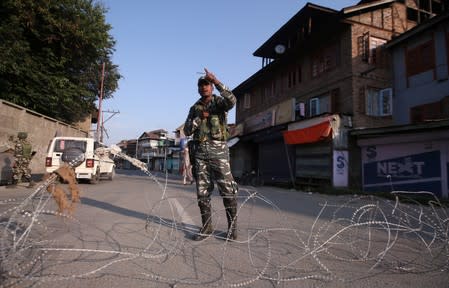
211 77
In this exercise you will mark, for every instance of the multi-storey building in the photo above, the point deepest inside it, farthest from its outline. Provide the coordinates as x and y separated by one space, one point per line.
155 148
128 147
413 155
323 73
152 148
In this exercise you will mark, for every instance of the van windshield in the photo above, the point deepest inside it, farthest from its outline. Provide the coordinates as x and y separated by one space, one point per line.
62 144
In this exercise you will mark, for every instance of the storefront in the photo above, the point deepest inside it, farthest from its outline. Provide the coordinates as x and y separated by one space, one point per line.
321 150
263 152
406 158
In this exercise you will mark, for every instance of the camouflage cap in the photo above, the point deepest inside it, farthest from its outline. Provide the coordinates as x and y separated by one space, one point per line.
203 80
22 135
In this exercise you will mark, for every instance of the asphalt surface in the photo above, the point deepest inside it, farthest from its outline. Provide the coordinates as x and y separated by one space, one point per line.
135 231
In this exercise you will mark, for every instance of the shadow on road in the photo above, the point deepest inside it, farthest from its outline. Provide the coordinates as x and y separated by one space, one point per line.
170 223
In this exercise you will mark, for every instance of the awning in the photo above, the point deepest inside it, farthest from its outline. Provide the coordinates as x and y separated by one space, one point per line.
310 134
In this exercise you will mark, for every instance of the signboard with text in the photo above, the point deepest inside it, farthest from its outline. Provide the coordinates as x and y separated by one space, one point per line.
340 170
406 167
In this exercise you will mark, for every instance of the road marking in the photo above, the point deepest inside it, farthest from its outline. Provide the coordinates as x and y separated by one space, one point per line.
185 218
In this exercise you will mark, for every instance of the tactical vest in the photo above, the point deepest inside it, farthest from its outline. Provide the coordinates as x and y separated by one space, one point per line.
215 127
26 150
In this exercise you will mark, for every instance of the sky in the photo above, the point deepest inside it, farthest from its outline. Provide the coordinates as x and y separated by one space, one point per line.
163 46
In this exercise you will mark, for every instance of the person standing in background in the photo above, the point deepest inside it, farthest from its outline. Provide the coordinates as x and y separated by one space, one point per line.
22 157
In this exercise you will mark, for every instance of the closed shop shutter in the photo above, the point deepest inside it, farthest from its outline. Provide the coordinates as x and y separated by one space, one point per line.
273 162
314 161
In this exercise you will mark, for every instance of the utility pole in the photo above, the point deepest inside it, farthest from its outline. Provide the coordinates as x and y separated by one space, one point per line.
104 121
99 134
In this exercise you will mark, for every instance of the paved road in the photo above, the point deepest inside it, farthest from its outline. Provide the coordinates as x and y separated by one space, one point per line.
135 231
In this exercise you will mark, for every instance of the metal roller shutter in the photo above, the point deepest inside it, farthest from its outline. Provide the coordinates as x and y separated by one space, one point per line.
314 162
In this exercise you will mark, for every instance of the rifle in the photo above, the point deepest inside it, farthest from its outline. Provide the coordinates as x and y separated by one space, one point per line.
193 145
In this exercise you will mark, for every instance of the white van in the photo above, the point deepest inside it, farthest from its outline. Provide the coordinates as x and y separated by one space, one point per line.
82 154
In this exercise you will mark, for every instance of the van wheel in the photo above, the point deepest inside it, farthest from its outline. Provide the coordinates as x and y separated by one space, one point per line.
111 175
95 178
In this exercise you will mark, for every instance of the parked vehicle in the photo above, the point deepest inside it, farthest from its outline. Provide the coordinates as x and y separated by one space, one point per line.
81 153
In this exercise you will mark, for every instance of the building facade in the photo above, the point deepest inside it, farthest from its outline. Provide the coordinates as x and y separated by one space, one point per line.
421 72
326 64
155 148
413 155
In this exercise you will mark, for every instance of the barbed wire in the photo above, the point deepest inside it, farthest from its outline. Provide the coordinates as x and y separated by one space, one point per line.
350 239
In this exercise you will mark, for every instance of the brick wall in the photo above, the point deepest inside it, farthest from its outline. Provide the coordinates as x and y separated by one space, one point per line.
380 24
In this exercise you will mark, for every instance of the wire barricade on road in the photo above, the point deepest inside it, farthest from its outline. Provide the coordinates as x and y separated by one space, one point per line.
349 241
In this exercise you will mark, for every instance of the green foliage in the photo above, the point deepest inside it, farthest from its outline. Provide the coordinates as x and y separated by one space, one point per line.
51 55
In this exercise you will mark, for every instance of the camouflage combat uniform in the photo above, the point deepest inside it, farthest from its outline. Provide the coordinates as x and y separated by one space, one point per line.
22 159
210 155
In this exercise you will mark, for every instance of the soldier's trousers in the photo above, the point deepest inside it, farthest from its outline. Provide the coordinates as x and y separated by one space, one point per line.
20 171
212 164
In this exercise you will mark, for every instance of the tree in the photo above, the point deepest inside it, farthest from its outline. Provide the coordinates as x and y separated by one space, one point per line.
51 54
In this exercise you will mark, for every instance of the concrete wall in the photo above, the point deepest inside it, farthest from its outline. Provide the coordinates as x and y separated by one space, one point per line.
426 87
40 128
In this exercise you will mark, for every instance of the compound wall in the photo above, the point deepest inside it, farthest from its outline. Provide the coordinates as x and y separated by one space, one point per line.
40 128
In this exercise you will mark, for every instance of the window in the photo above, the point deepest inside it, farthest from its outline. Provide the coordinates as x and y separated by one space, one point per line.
325 103
325 60
267 91
62 144
370 48
314 106
421 58
363 46
291 79
386 102
376 52
294 76
300 110
247 101
379 102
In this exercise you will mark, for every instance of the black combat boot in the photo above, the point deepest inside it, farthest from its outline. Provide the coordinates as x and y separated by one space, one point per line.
206 219
231 214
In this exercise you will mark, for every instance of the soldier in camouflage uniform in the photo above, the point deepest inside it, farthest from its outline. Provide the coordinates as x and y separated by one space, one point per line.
22 158
207 123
